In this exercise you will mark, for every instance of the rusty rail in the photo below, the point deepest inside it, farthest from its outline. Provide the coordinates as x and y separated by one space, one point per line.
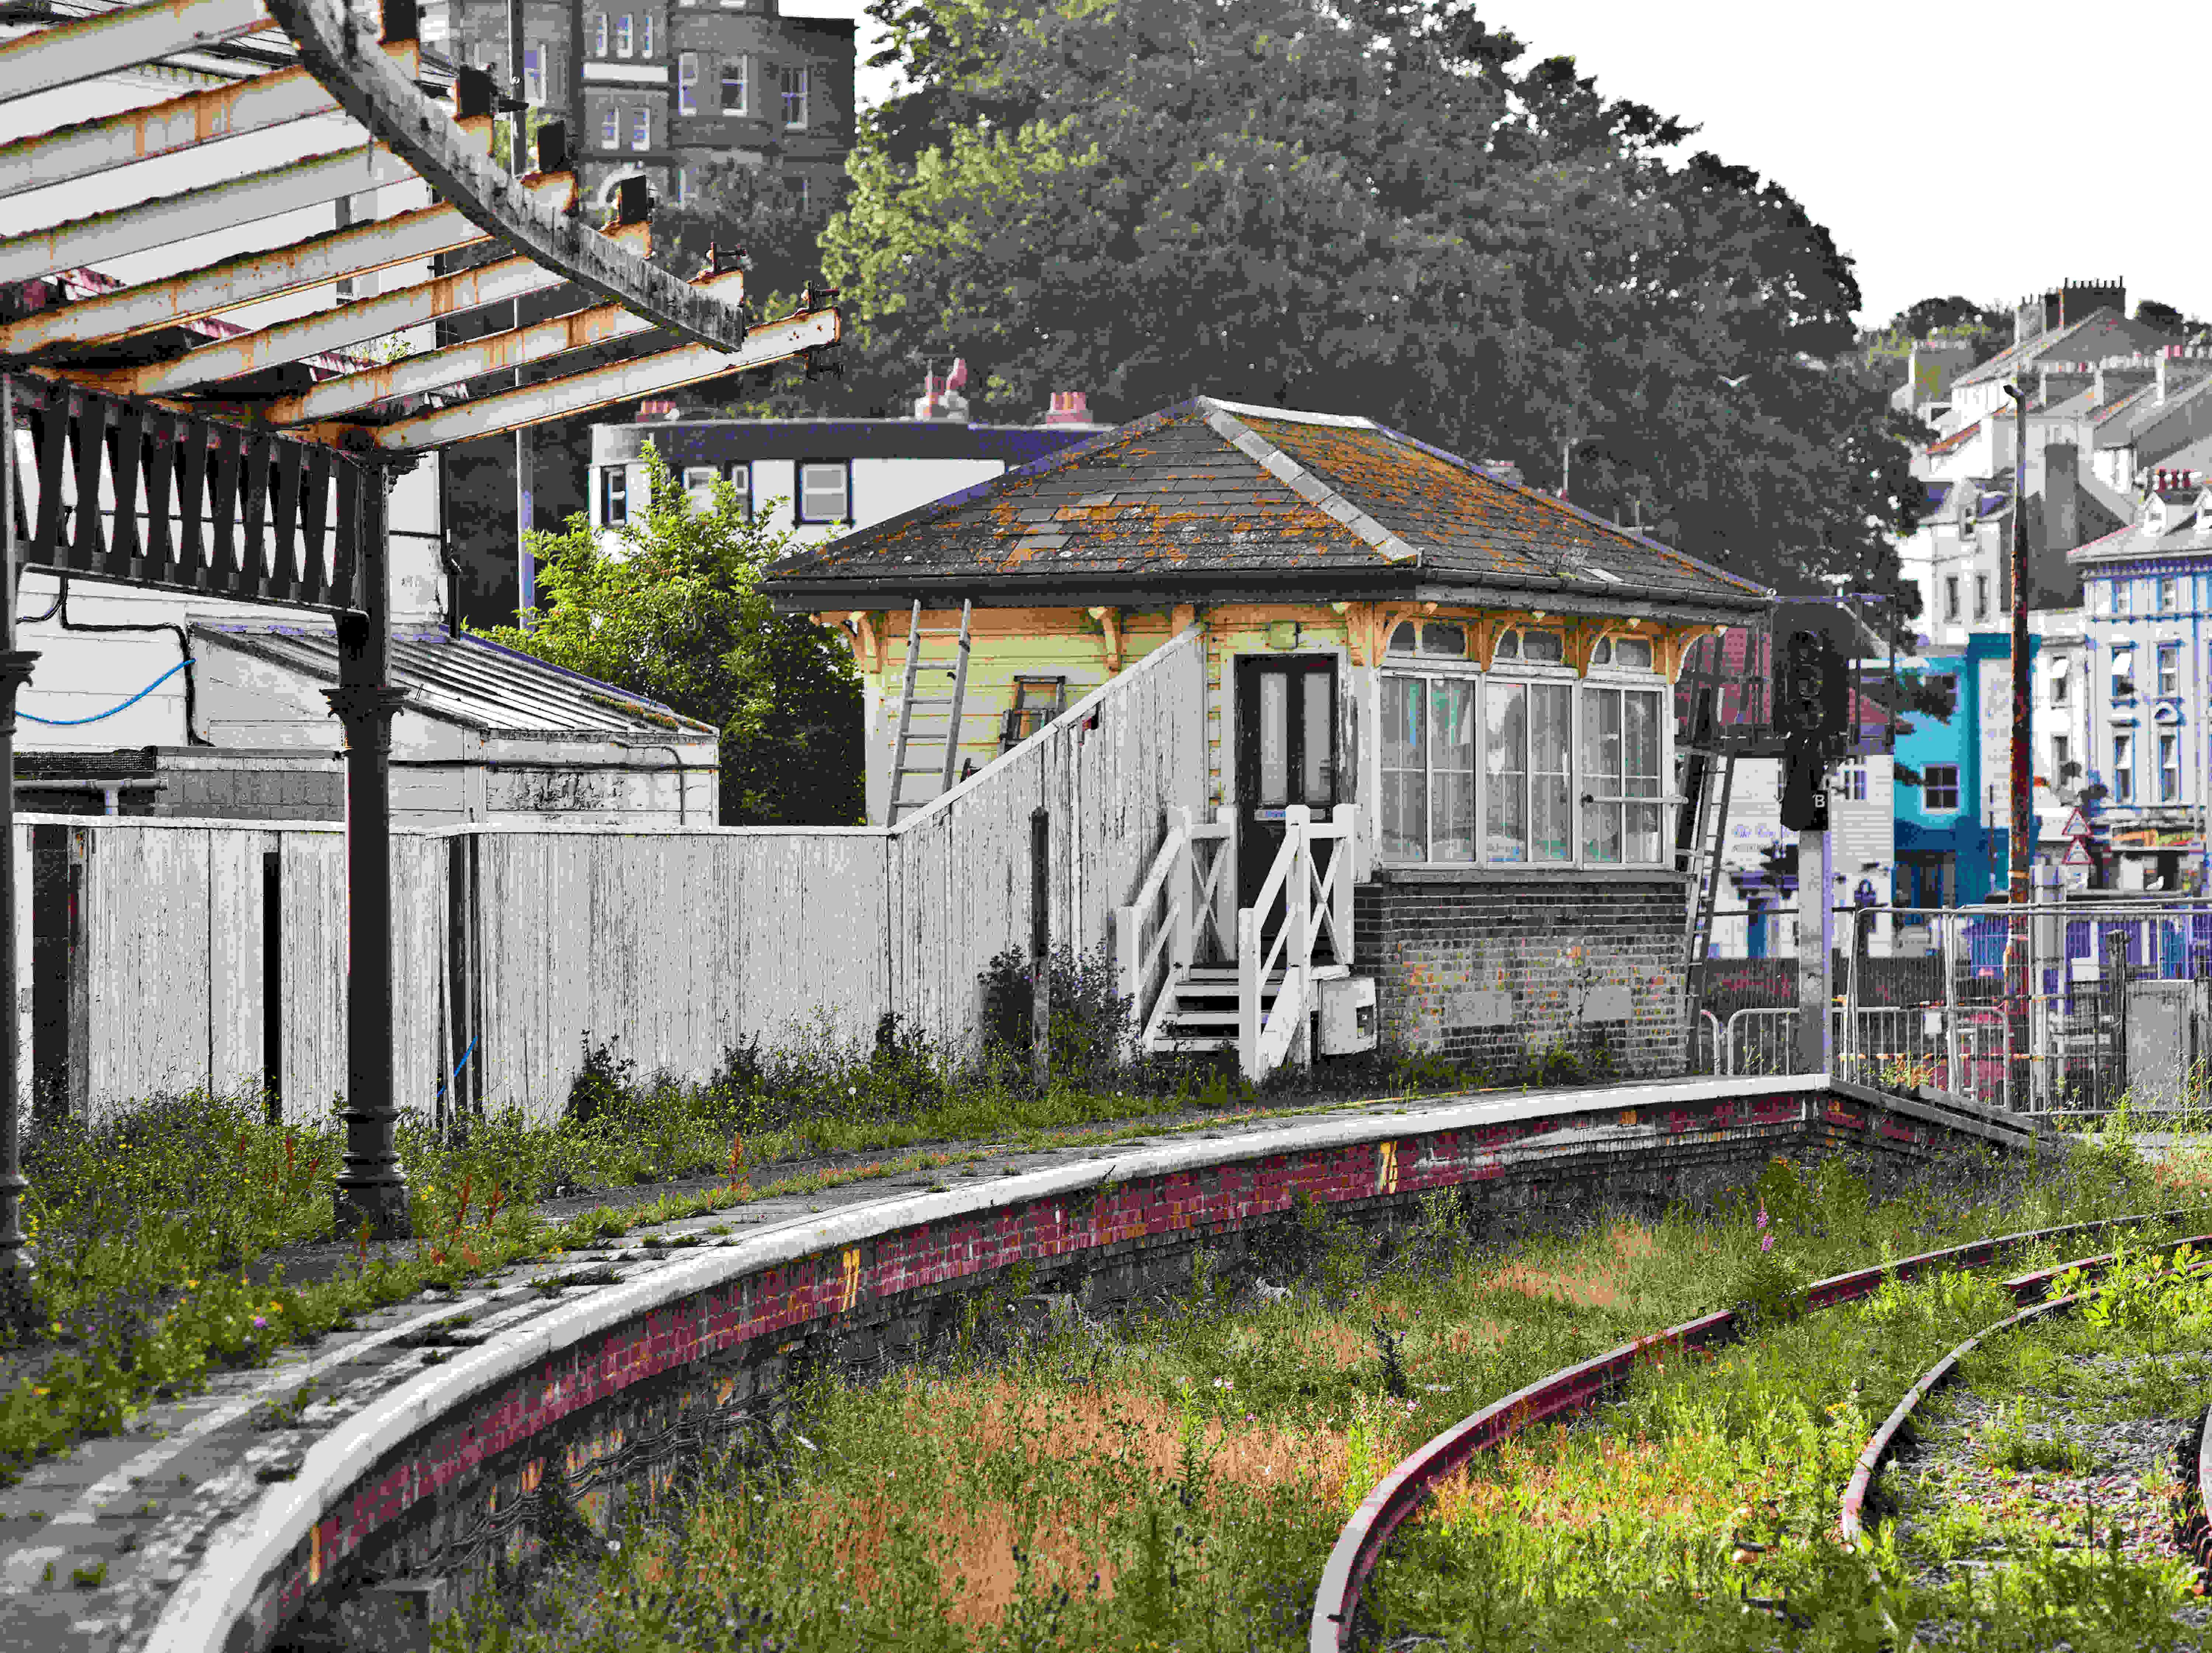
1360 1543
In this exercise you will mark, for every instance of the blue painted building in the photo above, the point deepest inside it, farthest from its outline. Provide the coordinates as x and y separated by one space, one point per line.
1953 843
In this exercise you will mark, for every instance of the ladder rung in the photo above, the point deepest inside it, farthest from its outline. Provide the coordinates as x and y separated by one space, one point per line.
931 699
934 769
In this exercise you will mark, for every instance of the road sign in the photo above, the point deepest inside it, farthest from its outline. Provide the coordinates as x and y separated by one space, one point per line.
2077 854
2076 827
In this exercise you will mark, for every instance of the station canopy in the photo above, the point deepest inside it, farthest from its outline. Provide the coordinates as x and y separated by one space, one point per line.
139 389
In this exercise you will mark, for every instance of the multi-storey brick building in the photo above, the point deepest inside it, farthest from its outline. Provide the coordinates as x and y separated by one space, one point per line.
671 88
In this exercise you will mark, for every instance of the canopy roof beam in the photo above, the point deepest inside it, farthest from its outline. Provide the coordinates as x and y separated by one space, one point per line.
260 105
357 250
86 48
622 381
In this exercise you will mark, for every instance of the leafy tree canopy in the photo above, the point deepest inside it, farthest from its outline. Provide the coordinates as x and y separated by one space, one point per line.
1370 206
676 615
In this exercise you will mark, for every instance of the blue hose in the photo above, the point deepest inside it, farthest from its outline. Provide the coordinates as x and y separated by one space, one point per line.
63 723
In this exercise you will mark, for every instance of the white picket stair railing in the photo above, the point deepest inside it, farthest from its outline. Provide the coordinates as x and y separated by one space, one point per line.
1191 962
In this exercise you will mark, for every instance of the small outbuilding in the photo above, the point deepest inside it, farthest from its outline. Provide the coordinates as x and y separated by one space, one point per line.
1484 669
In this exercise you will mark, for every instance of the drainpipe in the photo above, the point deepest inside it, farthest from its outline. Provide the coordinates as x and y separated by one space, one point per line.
683 814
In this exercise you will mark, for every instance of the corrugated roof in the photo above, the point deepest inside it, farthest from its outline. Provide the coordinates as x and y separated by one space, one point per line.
474 683
1208 489
2017 356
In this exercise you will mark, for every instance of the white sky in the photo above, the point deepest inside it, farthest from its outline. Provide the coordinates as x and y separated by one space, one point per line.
1895 122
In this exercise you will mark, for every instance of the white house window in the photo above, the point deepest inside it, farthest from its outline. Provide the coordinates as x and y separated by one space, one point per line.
614 496
2169 668
1981 597
1620 763
687 83
1938 787
2123 673
622 36
2062 754
699 482
645 35
825 491
795 99
610 128
640 130
1851 783
599 34
2124 769
533 73
2169 595
2169 766
733 86
2058 669
1950 597
741 482
2122 603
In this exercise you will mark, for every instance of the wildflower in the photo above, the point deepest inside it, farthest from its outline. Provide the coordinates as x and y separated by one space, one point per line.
1225 1382
260 1322
1767 1243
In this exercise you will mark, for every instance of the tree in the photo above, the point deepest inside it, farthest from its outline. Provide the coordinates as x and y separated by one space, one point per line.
757 209
677 615
1365 207
2164 316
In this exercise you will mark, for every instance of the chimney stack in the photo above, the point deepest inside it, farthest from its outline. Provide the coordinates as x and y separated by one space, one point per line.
1069 407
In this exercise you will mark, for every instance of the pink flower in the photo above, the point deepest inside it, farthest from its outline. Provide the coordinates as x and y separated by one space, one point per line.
1762 1214
1767 1243
260 1320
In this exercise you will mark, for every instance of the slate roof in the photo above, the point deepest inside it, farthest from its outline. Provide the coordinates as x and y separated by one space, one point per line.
474 683
2013 356
1208 494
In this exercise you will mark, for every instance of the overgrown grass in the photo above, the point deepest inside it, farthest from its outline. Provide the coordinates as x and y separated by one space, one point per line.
1177 1481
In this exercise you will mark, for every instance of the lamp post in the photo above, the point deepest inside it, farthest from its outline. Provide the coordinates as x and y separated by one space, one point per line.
2018 981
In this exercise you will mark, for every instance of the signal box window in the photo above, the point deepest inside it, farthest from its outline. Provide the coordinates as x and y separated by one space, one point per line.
614 496
825 492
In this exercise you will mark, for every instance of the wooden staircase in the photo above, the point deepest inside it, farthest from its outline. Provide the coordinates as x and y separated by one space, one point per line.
1204 974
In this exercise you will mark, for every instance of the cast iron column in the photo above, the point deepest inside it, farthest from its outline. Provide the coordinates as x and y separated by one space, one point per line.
371 1188
14 672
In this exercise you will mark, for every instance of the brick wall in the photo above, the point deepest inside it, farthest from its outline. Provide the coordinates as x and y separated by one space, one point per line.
1495 971
253 787
497 1470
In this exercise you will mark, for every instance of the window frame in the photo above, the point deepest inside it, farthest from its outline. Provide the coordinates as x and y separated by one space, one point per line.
599 34
2124 766
1981 597
804 94
1581 693
625 35
614 496
742 66
1933 783
2124 680
798 506
2169 766
1951 600
610 127
2168 667
645 34
640 128
533 73
2169 594
687 82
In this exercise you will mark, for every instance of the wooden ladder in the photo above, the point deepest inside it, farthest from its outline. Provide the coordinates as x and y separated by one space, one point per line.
1712 789
901 770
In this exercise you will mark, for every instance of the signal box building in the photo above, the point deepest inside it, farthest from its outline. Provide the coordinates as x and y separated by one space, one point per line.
1475 673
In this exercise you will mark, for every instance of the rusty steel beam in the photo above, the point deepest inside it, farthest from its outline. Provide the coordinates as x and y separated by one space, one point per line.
434 370
88 147
341 51
390 312
249 277
312 181
64 54
622 381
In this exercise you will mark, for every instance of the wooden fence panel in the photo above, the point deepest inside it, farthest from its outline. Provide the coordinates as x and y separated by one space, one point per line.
145 915
419 910
236 944
312 972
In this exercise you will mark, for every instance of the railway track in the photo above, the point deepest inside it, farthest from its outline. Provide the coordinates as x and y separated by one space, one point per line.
1336 1624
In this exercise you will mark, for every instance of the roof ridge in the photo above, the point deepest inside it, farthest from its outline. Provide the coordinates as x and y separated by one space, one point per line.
1307 486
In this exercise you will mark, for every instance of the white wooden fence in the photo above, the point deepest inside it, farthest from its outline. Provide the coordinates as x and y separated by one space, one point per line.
670 944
